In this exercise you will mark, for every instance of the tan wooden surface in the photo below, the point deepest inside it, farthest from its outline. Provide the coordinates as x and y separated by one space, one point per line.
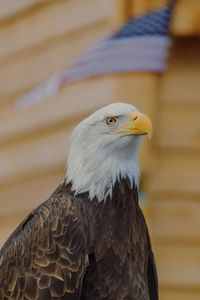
174 184
186 19
176 218
178 265
177 172
27 194
11 8
180 84
39 153
50 22
140 7
172 119
180 294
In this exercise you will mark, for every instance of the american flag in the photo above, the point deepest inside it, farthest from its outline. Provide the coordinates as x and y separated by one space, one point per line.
140 45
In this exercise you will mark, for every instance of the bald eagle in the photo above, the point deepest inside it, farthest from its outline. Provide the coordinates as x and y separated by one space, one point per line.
89 240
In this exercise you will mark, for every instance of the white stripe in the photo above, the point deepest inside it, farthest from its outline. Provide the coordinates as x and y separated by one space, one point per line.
135 43
118 57
110 56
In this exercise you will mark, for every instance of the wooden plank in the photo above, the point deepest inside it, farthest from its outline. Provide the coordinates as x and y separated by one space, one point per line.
51 22
22 197
10 8
119 13
138 89
176 218
180 294
180 83
74 100
186 18
177 172
178 127
158 3
31 157
178 265
140 7
40 64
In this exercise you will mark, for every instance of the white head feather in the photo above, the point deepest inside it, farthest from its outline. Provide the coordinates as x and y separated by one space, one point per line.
97 159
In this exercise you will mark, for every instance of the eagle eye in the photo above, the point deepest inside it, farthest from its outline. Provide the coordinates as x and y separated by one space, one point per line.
111 121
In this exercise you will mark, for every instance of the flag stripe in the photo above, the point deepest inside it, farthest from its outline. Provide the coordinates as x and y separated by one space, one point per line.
136 55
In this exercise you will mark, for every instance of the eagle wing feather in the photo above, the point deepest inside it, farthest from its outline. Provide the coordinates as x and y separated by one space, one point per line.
45 257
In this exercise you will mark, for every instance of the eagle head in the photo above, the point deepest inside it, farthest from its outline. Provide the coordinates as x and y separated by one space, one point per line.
104 149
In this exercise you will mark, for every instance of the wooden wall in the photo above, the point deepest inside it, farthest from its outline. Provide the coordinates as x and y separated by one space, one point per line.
174 187
40 38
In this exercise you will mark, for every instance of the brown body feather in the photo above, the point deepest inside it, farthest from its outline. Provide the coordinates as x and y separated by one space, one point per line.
74 248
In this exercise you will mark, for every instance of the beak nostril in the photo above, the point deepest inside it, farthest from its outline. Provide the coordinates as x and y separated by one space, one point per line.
135 118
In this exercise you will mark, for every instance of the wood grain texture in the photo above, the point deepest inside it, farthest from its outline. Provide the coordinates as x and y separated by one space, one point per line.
138 89
10 8
22 197
139 7
186 18
48 23
178 128
176 218
32 156
177 172
179 294
180 83
178 265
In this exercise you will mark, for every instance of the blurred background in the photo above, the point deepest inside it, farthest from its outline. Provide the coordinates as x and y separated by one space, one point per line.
39 38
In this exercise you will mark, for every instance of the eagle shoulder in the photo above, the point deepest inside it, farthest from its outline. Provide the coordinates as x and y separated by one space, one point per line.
45 256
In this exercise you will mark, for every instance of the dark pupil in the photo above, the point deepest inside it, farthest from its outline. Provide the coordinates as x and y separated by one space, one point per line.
110 120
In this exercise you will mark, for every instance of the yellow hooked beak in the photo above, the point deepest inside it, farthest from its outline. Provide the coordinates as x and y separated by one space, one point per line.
139 124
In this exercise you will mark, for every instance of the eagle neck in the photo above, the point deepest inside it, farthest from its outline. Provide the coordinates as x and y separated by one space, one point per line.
99 175
116 218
